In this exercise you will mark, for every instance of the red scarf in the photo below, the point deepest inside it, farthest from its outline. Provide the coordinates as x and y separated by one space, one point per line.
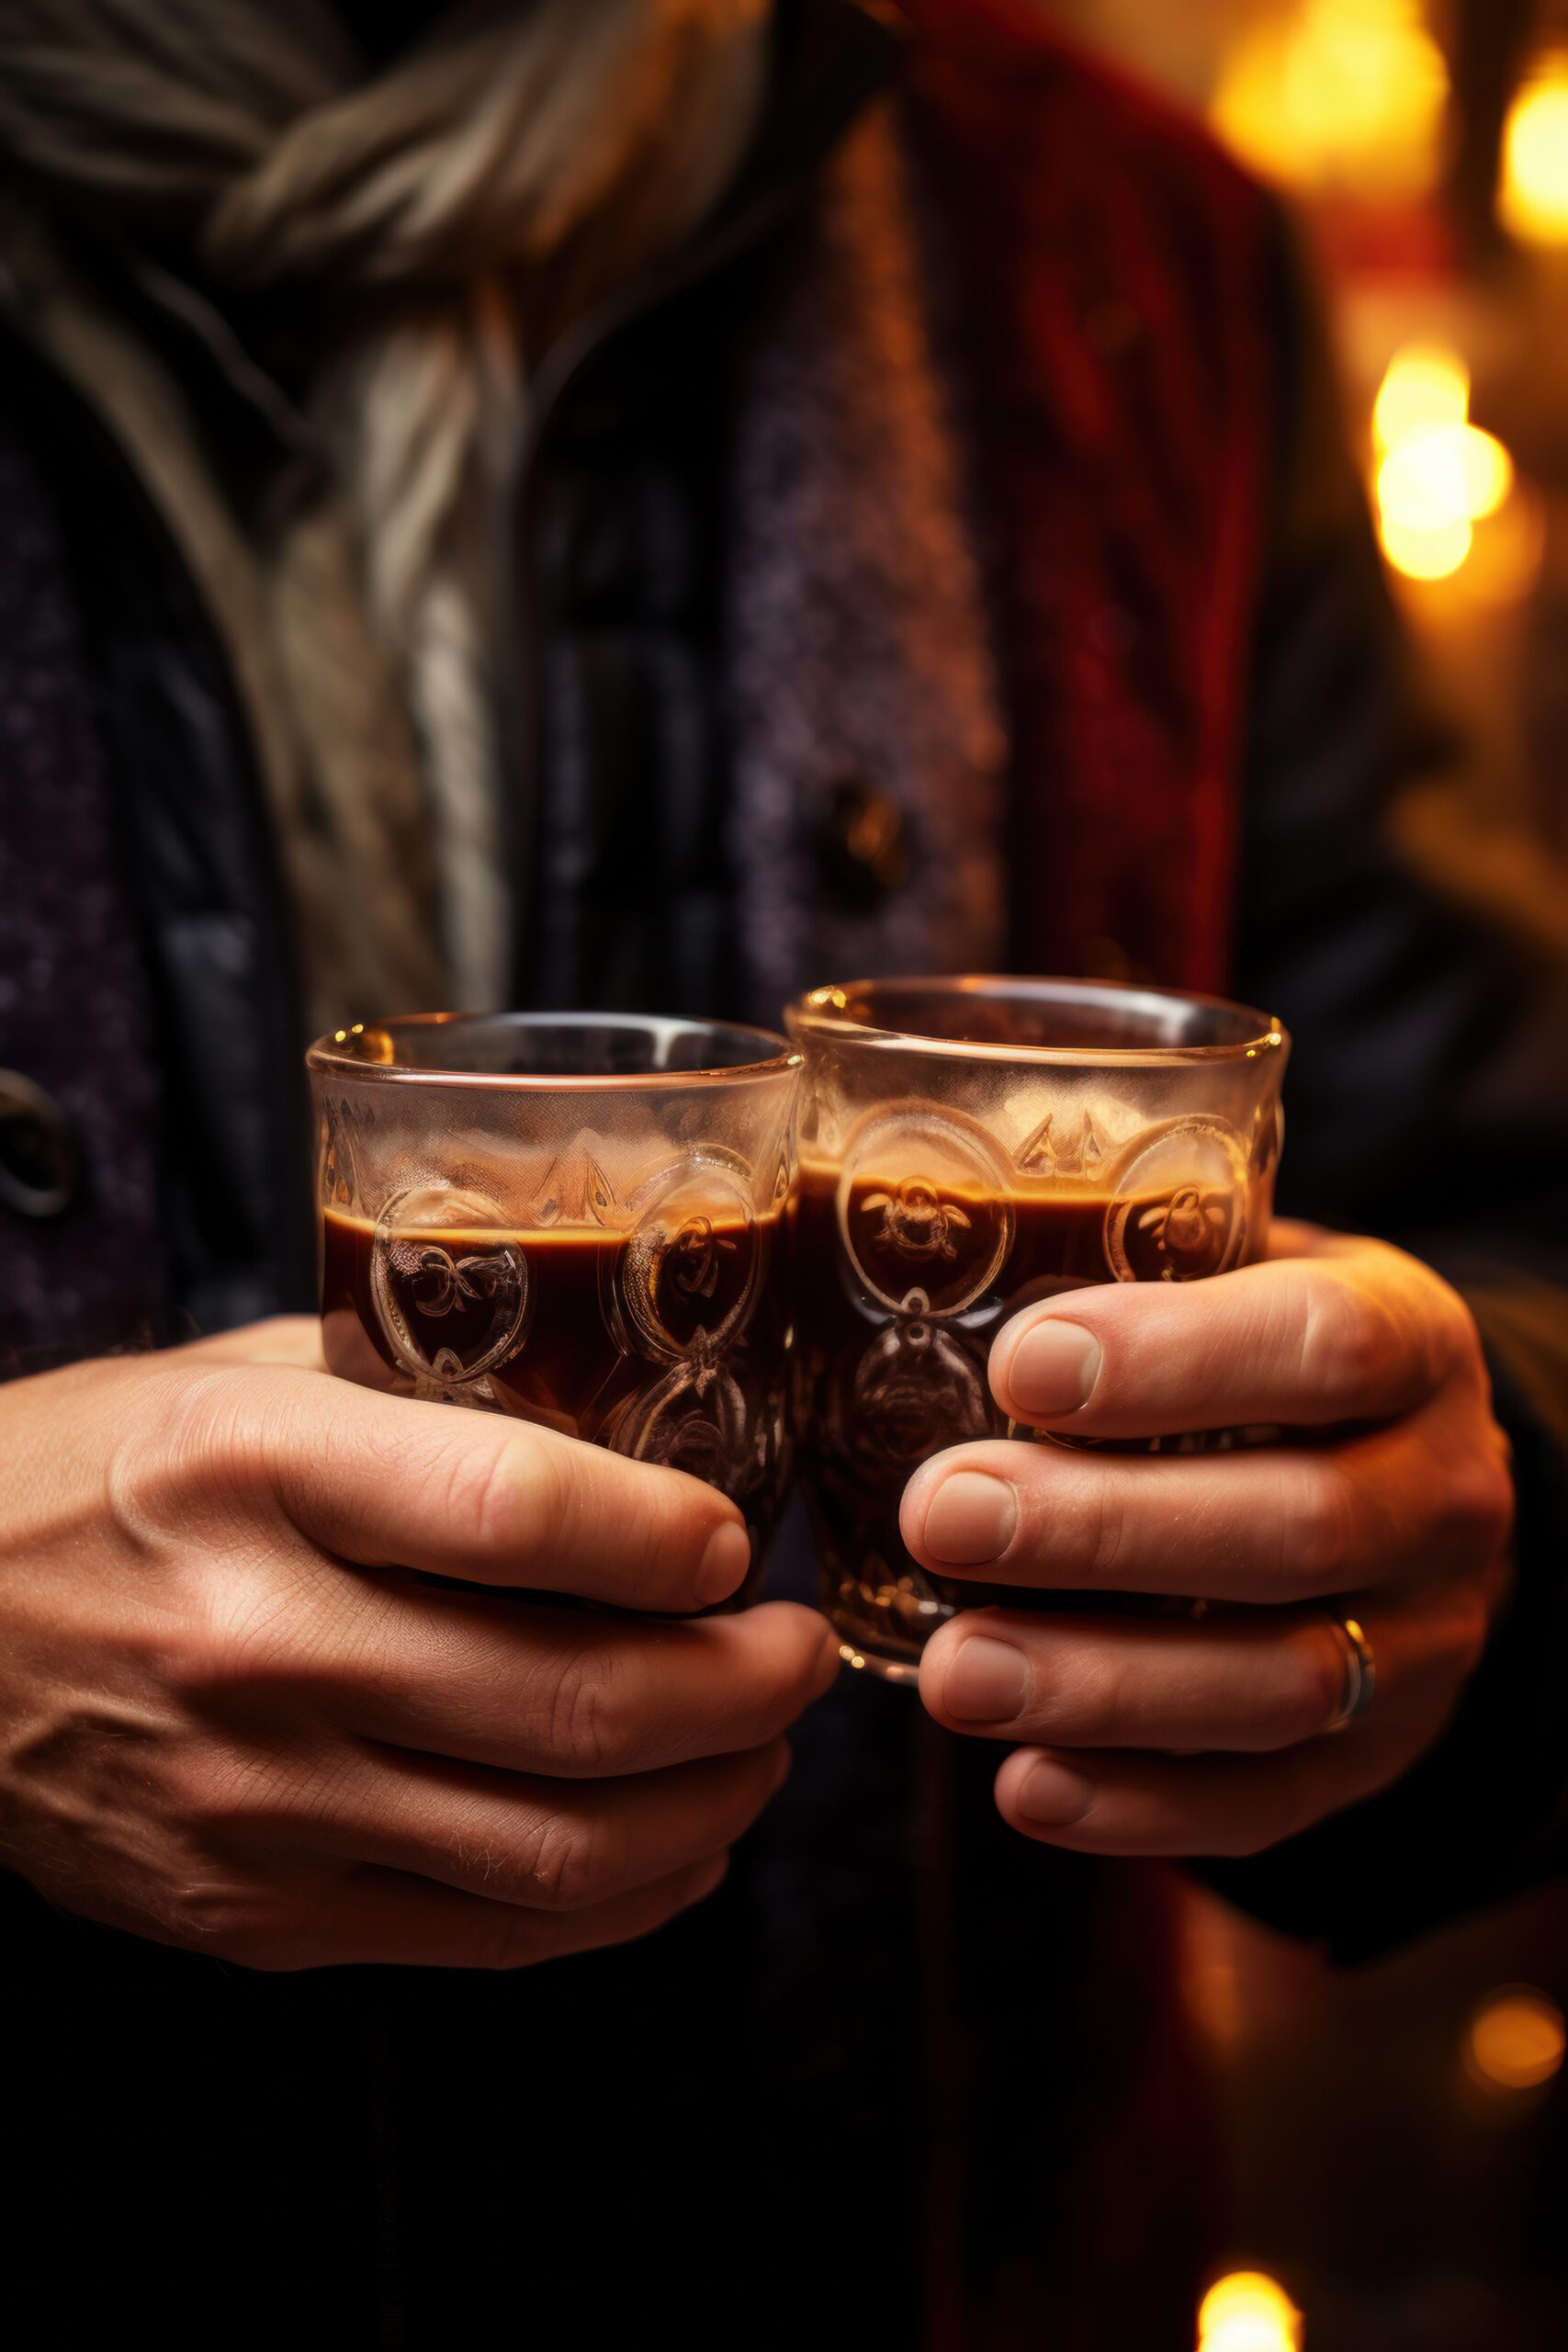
1114 266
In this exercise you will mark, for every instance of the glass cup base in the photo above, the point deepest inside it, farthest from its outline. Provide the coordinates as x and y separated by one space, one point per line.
904 1669
883 1622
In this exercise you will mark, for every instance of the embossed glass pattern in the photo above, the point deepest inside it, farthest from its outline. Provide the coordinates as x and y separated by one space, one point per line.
968 1147
580 1222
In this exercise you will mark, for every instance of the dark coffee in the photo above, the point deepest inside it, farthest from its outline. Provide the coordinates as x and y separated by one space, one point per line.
901 1292
668 1345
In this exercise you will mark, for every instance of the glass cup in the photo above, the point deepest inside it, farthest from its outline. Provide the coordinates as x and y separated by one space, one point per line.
968 1147
578 1221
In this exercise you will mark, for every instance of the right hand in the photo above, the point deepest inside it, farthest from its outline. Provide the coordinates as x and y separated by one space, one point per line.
232 1719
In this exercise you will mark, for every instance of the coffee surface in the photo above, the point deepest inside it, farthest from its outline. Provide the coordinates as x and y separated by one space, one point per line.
669 1345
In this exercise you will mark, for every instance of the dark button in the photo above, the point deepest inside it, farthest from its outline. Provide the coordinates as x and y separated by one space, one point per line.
862 841
40 1162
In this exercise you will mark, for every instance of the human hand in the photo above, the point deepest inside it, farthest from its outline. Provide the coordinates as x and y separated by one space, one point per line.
1164 1736
234 1721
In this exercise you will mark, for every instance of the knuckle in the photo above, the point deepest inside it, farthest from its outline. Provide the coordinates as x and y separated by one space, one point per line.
252 1627
1319 1530
1316 1689
193 1446
1349 1342
188 1653
543 1496
224 1795
573 1863
235 1793
585 1729
500 1490
500 1937
208 1793
1101 1529
254 1926
1480 1507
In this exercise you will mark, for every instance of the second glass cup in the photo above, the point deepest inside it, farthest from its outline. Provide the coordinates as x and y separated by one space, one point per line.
577 1221
967 1148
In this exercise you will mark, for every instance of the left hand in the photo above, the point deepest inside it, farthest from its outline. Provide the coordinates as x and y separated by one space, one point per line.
1160 1735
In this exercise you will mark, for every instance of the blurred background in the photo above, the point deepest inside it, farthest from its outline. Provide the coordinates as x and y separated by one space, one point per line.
1398 2136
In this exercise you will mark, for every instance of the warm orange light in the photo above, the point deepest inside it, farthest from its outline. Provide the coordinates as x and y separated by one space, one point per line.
1424 384
1532 179
1516 2039
1487 467
1341 93
1427 553
1437 474
1248 2312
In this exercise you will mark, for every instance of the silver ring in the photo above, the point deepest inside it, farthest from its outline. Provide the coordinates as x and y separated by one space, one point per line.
1360 1671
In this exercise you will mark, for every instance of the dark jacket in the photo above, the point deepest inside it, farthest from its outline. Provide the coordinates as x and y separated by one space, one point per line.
905 2062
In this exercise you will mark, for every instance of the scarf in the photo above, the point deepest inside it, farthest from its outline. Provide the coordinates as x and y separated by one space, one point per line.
440 222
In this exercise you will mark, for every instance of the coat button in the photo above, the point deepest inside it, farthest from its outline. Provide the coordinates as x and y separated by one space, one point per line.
861 840
40 1162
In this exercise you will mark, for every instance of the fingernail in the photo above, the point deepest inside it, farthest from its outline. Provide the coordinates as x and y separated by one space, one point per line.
1052 1797
970 1518
988 1682
1054 1368
724 1563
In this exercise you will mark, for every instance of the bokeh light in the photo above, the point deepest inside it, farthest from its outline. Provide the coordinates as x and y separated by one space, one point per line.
1515 2041
1348 95
1437 475
1427 550
1248 2312
1486 468
1532 181
1425 384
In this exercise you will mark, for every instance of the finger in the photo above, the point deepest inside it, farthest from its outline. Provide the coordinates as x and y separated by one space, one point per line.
1428 1496
397 1481
1254 1683
545 1845
1355 1332
561 1693
1112 1803
281 1339
1292 1237
380 1916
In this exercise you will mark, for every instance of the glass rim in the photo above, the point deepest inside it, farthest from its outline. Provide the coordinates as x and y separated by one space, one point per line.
340 1054
823 1013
